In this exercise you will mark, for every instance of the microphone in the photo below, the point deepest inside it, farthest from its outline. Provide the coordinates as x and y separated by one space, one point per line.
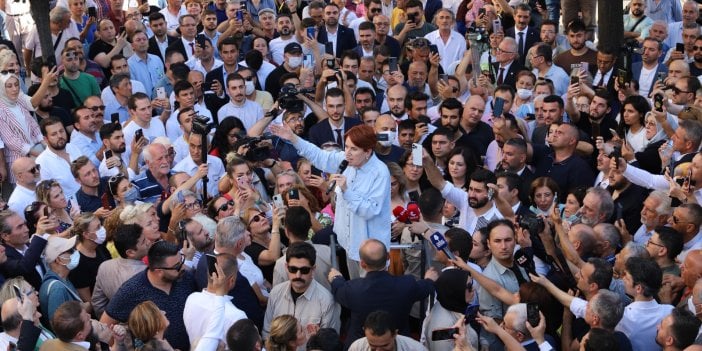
413 211
342 167
524 261
332 246
440 244
401 214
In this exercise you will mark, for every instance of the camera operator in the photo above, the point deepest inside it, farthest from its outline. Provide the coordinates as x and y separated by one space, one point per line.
283 148
190 164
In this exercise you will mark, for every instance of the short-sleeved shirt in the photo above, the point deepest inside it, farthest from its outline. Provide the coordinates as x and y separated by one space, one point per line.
254 250
138 289
80 88
85 274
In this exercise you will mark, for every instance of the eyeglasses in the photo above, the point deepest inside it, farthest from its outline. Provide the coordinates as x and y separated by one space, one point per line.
9 71
177 266
298 119
382 24
303 270
248 79
96 108
257 218
677 90
69 252
376 10
649 242
225 206
193 206
677 220
695 48
504 51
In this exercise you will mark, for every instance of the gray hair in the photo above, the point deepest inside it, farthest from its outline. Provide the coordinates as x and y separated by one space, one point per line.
608 306
608 232
520 318
606 202
146 154
229 231
635 250
59 14
664 202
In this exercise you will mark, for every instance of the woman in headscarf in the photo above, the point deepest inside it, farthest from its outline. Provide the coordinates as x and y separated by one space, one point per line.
648 158
454 290
19 131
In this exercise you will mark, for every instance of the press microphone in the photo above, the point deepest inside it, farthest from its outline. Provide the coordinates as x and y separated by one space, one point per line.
413 212
524 261
332 246
342 167
440 244
401 214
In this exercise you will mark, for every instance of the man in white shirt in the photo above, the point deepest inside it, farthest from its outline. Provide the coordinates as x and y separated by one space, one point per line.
200 306
191 163
112 140
450 43
373 7
26 174
239 106
286 36
56 160
690 13
118 64
172 13
59 20
645 72
204 59
184 93
85 134
655 212
642 280
140 119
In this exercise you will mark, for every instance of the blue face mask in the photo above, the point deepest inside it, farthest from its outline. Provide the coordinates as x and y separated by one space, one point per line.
131 195
75 259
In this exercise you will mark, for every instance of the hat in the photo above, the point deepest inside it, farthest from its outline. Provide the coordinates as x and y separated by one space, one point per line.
264 10
56 246
293 48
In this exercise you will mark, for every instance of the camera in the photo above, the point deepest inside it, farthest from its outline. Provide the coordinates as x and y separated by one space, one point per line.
287 98
533 224
256 152
200 125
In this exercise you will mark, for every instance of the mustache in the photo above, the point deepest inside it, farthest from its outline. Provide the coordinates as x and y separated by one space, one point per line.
298 280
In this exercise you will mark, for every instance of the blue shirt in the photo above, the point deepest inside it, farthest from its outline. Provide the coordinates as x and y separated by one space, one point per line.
51 298
149 72
88 146
139 289
123 112
149 188
363 210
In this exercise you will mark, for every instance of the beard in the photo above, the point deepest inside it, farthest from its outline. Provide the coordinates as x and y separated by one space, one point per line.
59 145
43 108
285 31
637 12
475 203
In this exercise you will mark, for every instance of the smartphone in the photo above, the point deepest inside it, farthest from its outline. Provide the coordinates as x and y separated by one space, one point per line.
417 154
574 79
392 64
331 63
293 194
105 201
617 153
530 117
444 77
491 194
241 182
595 131
584 66
308 61
658 102
481 11
433 49
443 334
621 77
471 313
498 107
180 197
92 12
138 134
497 26
46 211
533 316
239 16
278 201
161 93
679 47
114 118
310 32
555 198
211 260
329 48
688 179
662 76
122 30
18 293
108 155
414 196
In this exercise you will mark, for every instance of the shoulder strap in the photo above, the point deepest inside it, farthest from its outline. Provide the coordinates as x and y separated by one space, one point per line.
58 40
73 92
637 23
53 281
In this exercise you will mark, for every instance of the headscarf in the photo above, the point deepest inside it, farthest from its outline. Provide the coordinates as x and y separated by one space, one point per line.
451 289
3 92
660 133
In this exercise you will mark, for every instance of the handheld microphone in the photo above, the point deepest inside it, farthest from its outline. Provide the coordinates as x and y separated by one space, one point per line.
332 246
440 244
413 212
524 261
401 214
342 167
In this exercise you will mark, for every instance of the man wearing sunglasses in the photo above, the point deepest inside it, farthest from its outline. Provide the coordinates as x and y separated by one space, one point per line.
26 173
81 85
166 283
301 295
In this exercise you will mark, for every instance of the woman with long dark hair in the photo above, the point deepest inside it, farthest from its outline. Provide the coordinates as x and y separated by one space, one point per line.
229 131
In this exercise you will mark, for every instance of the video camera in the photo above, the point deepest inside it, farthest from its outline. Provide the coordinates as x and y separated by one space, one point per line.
287 98
200 125
256 152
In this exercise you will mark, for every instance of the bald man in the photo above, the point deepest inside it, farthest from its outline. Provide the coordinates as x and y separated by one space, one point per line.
379 290
691 269
561 163
26 173
19 319
386 129
476 134
395 102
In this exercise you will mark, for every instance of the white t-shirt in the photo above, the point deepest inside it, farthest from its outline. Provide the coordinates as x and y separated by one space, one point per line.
646 80
248 113
276 46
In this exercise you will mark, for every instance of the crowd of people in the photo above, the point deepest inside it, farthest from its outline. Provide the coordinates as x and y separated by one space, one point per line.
350 175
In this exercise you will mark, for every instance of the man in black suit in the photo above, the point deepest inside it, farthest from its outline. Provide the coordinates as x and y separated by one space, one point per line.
345 38
188 31
507 65
333 128
525 35
159 43
379 290
514 156
22 259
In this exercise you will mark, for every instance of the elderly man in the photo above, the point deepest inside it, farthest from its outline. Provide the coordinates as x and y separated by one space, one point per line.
655 212
26 173
59 20
507 65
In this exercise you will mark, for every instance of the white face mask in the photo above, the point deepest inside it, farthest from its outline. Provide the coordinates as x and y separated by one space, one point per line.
294 61
524 93
391 137
249 87
691 306
100 236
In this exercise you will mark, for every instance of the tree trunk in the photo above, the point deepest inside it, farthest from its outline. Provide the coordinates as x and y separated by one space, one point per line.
610 25
40 13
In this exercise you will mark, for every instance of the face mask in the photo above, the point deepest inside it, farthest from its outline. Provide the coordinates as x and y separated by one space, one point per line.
294 61
249 87
524 93
691 306
100 236
391 137
73 263
131 195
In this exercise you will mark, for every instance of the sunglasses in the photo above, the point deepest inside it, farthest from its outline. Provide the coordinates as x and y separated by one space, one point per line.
256 218
177 266
34 170
47 184
376 10
96 108
677 90
225 206
303 270
115 178
9 71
